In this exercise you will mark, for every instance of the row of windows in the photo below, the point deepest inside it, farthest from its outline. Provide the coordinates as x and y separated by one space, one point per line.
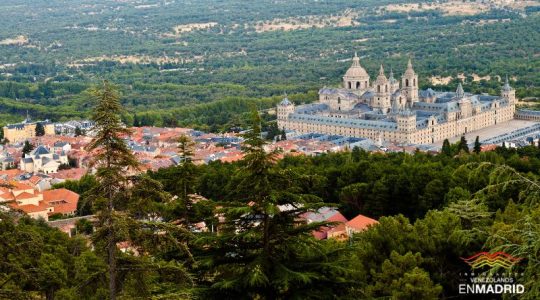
357 84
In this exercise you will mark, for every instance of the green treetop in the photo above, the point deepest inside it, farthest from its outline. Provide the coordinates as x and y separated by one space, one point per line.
40 129
27 148
264 250
477 145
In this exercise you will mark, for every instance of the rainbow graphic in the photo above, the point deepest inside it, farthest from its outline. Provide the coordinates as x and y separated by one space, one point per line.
497 259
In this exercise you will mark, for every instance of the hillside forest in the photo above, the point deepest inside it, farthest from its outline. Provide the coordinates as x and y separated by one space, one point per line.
203 63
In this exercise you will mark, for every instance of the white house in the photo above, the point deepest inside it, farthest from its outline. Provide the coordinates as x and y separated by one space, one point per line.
42 160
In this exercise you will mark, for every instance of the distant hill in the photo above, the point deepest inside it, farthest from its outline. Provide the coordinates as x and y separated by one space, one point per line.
171 55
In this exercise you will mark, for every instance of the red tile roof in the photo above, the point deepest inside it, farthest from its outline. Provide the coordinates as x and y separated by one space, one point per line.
17 185
361 222
71 174
30 208
11 173
25 195
64 201
35 179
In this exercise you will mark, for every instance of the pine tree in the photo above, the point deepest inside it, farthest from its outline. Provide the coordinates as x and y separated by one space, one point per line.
136 122
130 208
78 131
264 250
463 145
446 148
27 148
40 130
477 145
113 159
185 148
187 174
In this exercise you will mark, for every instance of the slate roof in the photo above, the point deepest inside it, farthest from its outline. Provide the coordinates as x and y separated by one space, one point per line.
355 123
39 150
285 102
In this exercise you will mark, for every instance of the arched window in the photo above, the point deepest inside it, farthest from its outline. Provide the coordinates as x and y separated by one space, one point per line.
386 88
414 82
357 84
378 88
406 82
365 84
350 85
338 100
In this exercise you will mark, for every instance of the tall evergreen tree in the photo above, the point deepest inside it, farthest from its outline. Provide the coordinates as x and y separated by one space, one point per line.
40 130
112 160
446 148
264 250
136 122
477 145
129 208
27 148
186 178
463 145
185 148
78 131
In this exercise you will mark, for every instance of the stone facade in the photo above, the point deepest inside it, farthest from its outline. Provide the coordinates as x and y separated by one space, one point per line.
25 130
388 111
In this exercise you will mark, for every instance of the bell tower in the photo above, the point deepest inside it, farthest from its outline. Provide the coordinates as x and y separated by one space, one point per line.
382 92
508 92
409 84
284 108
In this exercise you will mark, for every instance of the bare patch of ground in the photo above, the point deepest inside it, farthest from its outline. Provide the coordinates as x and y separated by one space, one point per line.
438 80
17 41
133 59
485 22
361 40
185 28
477 77
451 8
461 8
347 18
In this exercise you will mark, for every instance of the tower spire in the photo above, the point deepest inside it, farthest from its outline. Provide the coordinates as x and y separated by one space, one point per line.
506 85
381 70
459 91
356 60
409 64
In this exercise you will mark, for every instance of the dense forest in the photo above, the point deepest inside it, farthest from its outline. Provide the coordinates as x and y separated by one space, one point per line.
199 63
